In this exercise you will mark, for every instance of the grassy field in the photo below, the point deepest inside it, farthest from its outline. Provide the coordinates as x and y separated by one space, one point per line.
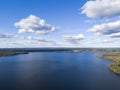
115 67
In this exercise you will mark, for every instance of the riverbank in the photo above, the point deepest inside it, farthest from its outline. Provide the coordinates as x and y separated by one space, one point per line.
115 67
12 53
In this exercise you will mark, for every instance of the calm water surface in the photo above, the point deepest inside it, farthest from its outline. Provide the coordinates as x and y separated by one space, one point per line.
57 71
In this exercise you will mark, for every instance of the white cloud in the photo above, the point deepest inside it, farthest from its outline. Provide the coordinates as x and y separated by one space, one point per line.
106 28
10 36
8 40
101 8
89 21
41 41
34 24
102 42
73 39
11 40
5 35
106 41
115 35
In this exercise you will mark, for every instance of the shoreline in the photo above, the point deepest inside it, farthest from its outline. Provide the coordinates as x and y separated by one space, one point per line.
12 53
115 66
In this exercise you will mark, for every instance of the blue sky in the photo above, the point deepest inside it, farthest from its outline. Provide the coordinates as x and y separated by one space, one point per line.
59 23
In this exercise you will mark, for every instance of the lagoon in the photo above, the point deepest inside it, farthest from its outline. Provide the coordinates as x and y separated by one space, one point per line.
57 71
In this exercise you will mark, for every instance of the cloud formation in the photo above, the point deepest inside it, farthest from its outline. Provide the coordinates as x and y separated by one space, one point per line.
73 39
110 29
41 41
6 35
115 35
34 24
11 40
106 41
101 8
10 36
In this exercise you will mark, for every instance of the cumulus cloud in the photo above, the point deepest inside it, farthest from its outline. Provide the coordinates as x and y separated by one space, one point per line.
110 29
34 24
115 35
73 39
101 8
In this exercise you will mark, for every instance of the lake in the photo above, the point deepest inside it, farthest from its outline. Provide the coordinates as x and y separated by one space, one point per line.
57 71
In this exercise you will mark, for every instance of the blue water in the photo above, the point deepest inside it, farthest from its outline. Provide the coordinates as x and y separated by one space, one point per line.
57 71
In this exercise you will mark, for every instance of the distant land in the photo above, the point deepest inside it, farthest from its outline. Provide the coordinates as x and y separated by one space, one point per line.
16 51
59 49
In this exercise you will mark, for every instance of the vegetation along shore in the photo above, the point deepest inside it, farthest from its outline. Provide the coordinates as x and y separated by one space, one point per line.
115 67
12 53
